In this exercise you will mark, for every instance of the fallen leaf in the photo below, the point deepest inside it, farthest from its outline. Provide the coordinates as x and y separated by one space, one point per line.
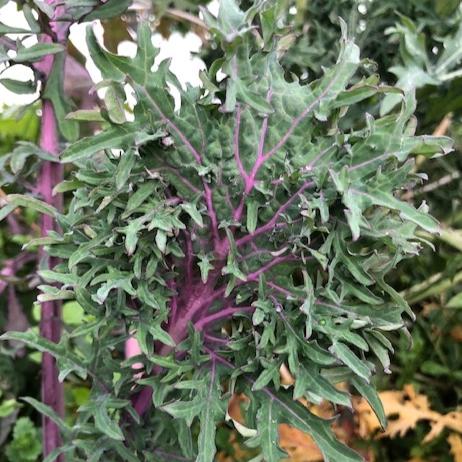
455 442
405 409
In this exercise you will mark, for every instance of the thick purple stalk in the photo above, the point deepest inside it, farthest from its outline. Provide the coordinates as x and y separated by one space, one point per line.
200 298
50 323
51 173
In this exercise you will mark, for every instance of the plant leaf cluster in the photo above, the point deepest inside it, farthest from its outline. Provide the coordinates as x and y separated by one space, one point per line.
241 228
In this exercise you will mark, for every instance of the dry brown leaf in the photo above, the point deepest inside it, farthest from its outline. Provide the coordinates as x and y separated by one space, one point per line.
405 409
299 446
456 333
455 442
443 126
452 421
286 377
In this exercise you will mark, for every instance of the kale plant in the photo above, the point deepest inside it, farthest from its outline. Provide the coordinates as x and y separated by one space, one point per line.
234 232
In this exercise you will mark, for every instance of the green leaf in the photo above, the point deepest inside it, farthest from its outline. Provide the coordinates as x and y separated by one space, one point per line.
85 115
455 302
205 267
5 29
53 455
370 394
254 100
161 335
211 411
50 293
114 98
104 423
6 210
187 410
33 340
191 210
268 433
108 70
64 278
309 379
73 314
20 200
346 355
109 9
25 444
252 216
138 68
48 412
139 196
8 406
67 185
37 52
18 86
114 137
300 417
161 240
124 168
44 7
131 235
266 376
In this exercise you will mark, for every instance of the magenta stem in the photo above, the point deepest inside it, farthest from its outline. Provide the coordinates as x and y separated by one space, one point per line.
51 173
50 323
225 313
270 224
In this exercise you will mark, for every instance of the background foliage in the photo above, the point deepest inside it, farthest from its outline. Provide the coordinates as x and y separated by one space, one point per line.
418 44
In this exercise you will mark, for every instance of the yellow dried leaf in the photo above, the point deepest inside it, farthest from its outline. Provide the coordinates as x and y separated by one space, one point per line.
455 442
299 446
405 409
452 421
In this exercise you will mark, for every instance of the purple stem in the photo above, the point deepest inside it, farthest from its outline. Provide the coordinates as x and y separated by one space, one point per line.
50 323
175 172
197 300
259 161
213 339
253 277
281 290
213 217
270 224
221 314
297 120
51 173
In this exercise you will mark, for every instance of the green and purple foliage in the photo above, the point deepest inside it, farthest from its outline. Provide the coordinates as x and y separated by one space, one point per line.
244 230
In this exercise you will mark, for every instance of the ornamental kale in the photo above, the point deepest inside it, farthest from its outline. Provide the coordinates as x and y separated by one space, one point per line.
247 227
